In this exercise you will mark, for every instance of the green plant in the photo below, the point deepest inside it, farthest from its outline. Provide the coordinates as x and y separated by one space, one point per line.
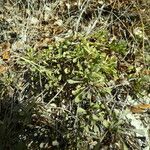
77 82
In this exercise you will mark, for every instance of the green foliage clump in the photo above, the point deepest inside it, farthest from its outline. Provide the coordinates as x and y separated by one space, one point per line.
71 91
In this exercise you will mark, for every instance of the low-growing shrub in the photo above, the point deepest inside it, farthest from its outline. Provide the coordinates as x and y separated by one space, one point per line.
69 96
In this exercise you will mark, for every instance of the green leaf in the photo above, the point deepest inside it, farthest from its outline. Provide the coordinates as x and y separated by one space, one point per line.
96 129
70 81
77 99
105 123
95 117
81 110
